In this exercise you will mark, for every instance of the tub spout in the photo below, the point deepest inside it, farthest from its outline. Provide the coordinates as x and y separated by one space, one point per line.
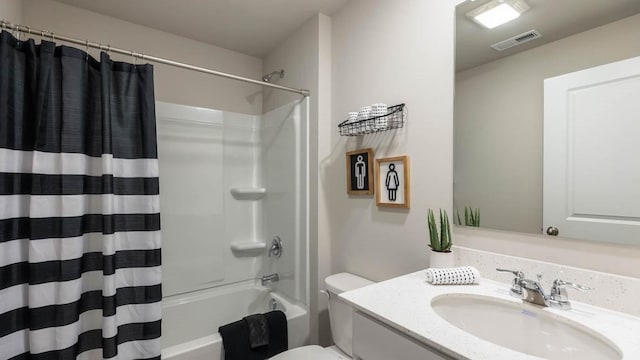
269 278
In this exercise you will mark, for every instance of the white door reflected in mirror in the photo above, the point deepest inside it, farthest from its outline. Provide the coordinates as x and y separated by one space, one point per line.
591 162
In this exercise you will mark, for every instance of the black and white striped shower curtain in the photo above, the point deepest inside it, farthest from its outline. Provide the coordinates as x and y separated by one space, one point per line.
79 206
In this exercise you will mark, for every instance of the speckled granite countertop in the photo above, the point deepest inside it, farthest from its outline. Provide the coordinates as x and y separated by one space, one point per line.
404 303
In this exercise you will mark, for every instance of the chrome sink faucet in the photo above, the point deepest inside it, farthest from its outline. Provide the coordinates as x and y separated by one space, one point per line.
526 289
531 290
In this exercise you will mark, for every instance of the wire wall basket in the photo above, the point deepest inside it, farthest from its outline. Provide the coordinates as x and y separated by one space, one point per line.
394 119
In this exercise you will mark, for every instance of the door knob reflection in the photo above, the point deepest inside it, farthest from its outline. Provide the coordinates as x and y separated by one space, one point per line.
552 231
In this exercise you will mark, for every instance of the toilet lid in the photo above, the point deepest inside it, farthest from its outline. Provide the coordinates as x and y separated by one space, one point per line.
311 352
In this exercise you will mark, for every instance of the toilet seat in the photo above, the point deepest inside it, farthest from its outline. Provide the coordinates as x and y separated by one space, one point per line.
311 352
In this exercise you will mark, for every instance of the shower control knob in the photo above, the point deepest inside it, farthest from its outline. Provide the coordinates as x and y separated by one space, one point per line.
553 231
276 247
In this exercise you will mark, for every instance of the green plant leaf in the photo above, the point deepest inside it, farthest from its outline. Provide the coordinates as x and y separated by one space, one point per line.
449 242
433 231
442 232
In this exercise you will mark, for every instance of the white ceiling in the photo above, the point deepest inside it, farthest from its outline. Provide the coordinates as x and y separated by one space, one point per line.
555 19
252 27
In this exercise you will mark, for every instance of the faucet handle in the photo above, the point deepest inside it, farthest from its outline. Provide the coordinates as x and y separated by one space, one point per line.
561 283
559 286
517 273
516 285
276 247
559 294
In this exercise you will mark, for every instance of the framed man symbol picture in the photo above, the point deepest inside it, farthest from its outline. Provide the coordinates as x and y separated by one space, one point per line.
360 172
392 182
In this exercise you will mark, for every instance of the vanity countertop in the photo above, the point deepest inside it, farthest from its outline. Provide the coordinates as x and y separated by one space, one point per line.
404 303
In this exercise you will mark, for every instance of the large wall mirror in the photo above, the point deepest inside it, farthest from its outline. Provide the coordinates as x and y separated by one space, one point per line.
500 162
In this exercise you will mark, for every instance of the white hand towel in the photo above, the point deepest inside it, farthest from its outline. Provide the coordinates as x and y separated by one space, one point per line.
464 275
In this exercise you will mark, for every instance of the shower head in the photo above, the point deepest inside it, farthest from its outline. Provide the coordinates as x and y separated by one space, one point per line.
267 78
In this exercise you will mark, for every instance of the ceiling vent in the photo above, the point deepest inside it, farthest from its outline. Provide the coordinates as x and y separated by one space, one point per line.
517 40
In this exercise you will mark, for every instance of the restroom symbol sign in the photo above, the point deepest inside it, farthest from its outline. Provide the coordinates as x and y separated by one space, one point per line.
360 172
392 182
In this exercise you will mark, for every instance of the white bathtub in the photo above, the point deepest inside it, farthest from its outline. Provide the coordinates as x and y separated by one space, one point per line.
190 322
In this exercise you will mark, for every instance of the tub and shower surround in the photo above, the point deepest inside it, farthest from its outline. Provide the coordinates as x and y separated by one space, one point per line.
204 153
283 164
214 165
79 221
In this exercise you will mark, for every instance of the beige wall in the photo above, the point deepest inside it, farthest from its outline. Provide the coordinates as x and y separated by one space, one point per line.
392 52
11 10
171 84
321 261
306 58
499 122
298 56
498 144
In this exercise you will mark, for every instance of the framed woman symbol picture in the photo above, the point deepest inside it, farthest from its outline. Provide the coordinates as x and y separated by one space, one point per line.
392 182
360 172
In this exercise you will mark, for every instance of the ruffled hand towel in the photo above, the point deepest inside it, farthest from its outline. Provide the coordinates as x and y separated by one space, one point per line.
463 275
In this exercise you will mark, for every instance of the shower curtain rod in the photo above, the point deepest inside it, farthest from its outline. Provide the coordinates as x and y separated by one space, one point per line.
108 48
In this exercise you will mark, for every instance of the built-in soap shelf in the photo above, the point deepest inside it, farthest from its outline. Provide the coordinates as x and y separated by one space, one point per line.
248 248
248 193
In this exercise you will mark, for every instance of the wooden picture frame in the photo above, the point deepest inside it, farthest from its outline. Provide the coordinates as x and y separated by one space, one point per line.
393 185
360 178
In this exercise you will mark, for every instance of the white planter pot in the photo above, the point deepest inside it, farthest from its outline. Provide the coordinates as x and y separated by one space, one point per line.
441 259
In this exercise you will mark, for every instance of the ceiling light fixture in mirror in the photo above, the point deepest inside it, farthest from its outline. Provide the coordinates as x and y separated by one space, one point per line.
498 12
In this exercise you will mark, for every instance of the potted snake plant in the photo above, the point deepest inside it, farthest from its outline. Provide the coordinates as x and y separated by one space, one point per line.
439 240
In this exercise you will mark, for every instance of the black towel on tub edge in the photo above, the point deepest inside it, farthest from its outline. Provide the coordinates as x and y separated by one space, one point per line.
235 338
258 330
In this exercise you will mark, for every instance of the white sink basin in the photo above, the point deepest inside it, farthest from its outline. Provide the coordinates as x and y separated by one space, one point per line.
524 328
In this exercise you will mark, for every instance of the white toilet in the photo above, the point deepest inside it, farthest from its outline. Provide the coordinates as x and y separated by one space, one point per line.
340 317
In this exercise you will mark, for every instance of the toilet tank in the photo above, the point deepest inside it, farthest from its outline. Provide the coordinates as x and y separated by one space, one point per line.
340 313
